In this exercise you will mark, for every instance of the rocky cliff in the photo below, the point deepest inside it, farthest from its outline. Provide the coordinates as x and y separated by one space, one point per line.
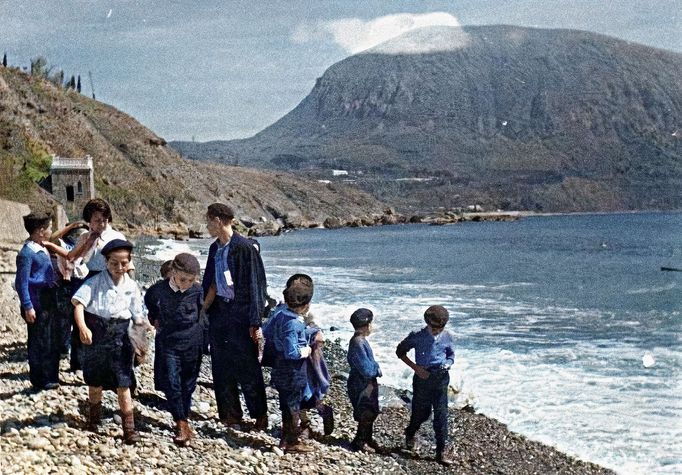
507 117
148 184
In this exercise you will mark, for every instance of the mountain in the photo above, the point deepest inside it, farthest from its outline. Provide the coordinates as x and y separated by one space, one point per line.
146 183
502 116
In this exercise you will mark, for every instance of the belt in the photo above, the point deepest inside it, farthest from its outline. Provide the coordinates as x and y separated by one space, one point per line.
438 369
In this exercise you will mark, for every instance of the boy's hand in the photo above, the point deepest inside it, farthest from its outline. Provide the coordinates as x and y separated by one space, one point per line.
30 315
306 351
421 372
255 333
86 336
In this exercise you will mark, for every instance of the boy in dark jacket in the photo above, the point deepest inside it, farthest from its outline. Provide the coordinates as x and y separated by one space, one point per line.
234 301
174 306
363 389
434 354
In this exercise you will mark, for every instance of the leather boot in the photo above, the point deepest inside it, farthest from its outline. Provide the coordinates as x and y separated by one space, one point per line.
327 414
291 435
362 437
183 434
130 436
94 415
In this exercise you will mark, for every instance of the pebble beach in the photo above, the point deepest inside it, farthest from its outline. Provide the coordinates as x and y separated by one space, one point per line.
44 432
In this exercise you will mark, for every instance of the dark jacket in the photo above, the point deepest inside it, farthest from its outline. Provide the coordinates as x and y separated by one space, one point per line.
246 267
177 314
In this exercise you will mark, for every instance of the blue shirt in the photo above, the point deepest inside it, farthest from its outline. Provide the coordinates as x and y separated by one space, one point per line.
223 277
361 358
34 272
430 352
288 333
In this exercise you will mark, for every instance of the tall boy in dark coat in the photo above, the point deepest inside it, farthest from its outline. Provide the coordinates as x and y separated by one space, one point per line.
434 350
174 306
234 301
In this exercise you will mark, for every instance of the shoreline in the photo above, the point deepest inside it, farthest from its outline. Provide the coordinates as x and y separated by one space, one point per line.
44 432
184 232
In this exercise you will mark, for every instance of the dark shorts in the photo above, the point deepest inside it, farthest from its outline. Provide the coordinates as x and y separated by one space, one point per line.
108 361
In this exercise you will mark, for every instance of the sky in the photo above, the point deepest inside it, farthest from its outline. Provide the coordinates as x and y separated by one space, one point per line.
212 70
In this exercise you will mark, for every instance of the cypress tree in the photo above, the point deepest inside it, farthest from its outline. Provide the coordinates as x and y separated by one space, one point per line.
4 60
72 82
78 85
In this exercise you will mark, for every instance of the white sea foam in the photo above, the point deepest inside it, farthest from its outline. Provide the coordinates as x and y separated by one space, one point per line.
590 397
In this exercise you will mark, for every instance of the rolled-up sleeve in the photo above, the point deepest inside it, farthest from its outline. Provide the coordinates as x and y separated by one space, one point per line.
406 345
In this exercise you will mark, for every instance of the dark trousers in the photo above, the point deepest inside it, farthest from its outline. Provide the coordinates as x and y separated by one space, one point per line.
43 345
427 394
234 364
182 369
290 401
64 315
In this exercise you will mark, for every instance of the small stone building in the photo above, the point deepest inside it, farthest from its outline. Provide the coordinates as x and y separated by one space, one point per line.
72 182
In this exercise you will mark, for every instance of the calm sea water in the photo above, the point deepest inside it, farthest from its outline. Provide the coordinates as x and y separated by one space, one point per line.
557 319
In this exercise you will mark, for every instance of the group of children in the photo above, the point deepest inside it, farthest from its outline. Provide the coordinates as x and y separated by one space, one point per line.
108 306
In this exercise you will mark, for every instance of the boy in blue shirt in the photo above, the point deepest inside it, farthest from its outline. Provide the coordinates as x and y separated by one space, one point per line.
363 389
289 371
35 283
434 354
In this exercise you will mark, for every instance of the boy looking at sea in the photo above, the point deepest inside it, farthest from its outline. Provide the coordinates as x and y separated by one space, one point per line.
434 354
363 389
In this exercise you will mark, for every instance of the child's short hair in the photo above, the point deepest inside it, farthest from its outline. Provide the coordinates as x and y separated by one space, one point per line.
361 318
187 263
35 221
294 277
298 294
96 205
220 211
166 268
437 316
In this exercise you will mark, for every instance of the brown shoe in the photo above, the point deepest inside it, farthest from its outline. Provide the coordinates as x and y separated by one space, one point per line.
444 457
94 416
233 422
183 434
130 436
299 447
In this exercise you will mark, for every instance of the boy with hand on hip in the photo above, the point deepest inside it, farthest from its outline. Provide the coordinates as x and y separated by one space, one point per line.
434 354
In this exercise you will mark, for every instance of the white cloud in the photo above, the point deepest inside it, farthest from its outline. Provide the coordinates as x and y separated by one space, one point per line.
356 35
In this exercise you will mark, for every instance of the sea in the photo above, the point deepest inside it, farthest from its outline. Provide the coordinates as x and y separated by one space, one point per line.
567 329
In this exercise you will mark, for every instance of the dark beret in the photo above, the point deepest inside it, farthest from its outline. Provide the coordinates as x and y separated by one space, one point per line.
186 262
116 244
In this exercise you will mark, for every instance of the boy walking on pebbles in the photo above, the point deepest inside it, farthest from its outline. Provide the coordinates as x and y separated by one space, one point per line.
174 306
363 389
289 370
434 354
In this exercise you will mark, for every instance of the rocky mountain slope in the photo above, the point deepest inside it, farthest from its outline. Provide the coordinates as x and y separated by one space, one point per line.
146 182
508 117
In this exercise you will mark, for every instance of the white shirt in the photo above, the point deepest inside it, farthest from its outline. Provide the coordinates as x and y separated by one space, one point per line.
99 295
35 247
93 258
